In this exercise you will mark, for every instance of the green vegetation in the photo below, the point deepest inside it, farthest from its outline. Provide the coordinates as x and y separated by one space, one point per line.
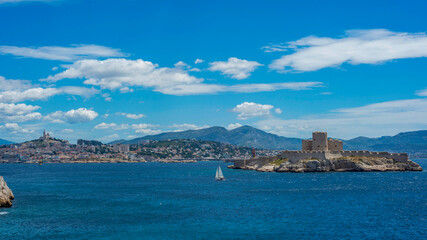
279 161
310 159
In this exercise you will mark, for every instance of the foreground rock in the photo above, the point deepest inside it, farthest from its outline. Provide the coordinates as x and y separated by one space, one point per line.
350 163
6 195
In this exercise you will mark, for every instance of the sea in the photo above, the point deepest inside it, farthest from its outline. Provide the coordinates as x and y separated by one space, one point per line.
183 201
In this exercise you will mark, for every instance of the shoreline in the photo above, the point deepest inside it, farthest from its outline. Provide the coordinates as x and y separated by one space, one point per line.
119 161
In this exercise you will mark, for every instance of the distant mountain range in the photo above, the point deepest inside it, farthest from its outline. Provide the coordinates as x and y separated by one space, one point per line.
5 142
414 143
243 136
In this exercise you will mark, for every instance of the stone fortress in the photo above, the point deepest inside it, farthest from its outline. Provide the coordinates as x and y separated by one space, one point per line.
320 142
328 153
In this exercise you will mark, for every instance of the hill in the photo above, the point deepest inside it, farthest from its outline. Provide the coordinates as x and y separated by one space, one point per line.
243 136
5 142
414 143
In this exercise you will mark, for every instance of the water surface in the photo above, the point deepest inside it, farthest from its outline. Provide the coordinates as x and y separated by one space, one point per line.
183 201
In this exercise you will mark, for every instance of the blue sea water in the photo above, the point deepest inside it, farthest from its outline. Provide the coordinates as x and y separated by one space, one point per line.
183 201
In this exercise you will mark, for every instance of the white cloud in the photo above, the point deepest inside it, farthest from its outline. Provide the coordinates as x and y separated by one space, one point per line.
131 115
250 109
122 127
114 126
198 89
18 112
278 110
78 91
107 97
134 116
372 120
34 94
145 129
187 126
67 130
421 93
122 73
357 47
235 68
68 54
109 138
182 65
199 61
275 48
17 108
15 128
104 125
126 90
119 73
233 126
143 125
14 85
80 115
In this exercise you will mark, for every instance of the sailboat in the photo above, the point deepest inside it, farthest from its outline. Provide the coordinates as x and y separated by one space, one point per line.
219 176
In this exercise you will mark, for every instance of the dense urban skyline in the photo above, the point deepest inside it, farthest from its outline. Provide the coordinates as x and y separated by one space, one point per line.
107 70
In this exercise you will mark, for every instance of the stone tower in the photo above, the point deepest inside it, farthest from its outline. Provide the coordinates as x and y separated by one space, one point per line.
320 141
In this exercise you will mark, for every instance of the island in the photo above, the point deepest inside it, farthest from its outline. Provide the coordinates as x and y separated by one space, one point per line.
321 154
6 195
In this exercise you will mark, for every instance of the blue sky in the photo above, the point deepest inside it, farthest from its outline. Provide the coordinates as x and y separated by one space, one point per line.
122 69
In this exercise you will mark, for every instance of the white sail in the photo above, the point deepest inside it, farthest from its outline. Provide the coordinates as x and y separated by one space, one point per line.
220 172
219 175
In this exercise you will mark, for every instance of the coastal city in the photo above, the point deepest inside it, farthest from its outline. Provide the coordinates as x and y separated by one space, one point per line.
47 149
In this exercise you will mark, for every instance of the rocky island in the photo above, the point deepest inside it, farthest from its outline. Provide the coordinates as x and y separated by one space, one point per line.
321 154
6 195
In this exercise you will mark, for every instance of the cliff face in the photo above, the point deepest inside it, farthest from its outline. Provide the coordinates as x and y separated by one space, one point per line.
6 195
359 164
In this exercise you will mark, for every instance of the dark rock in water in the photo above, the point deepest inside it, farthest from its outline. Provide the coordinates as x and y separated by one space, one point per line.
6 195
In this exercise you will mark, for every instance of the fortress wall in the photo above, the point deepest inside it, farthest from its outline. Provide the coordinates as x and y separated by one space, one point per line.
295 156
320 141
335 145
239 163
398 157
307 145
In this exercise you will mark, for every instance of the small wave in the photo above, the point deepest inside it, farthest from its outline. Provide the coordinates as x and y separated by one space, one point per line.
3 213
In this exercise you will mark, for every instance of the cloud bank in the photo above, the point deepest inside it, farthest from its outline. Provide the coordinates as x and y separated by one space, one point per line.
67 54
121 73
356 47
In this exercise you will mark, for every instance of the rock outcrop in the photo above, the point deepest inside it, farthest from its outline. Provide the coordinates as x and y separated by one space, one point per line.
342 164
6 195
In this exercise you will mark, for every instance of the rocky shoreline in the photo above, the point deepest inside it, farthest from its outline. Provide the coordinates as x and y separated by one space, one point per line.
342 164
6 195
